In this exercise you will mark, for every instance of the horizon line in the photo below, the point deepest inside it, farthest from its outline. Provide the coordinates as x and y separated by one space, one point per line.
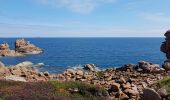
89 37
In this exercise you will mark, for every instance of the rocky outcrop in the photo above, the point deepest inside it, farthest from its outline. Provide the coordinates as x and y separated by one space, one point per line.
4 70
4 46
165 48
5 51
89 67
25 47
23 72
149 67
22 47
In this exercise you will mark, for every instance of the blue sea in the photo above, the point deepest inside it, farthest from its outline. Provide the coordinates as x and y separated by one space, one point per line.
61 53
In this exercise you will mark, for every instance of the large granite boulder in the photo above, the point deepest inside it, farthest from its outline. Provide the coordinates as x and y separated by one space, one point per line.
4 46
149 67
15 78
25 64
166 65
89 67
3 70
127 67
25 47
115 87
150 94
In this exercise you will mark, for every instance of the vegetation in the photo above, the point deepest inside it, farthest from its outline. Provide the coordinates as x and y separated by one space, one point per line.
165 82
100 74
52 90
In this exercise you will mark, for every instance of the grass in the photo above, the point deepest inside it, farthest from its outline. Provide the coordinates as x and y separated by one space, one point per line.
52 90
85 91
163 83
99 74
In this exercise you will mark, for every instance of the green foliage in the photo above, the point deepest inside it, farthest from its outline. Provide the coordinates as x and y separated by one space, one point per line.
99 74
165 83
86 91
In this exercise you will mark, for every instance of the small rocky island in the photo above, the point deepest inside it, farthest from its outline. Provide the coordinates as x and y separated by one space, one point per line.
141 81
22 47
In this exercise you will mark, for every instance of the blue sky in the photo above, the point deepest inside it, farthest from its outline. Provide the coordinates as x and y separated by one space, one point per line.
84 18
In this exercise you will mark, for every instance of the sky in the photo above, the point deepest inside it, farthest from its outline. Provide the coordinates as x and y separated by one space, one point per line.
84 18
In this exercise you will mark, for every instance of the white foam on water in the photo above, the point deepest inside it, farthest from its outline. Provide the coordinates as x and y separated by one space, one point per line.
82 66
76 67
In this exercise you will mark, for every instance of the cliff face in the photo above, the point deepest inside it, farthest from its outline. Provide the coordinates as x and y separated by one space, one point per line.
165 47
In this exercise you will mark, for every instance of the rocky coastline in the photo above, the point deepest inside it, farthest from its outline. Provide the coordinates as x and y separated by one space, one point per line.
128 82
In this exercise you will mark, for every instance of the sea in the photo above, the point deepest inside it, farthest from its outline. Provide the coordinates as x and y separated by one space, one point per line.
62 53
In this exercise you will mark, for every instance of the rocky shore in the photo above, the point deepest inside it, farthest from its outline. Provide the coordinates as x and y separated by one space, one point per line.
22 47
128 82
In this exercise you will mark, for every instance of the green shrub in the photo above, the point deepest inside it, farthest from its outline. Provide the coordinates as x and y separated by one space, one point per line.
85 90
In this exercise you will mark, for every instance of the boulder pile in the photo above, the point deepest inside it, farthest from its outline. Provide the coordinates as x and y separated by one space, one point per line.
126 82
22 72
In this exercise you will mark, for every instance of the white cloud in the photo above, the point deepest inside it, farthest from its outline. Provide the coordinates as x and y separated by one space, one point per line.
19 30
156 17
78 6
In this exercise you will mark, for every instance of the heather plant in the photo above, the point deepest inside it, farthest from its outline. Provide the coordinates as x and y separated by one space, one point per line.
52 90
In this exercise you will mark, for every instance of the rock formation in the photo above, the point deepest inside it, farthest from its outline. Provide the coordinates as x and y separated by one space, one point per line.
165 48
5 50
150 94
3 70
89 67
22 72
4 46
25 47
21 47
149 67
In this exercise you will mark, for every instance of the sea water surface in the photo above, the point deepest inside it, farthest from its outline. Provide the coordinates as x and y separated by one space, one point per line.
61 53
